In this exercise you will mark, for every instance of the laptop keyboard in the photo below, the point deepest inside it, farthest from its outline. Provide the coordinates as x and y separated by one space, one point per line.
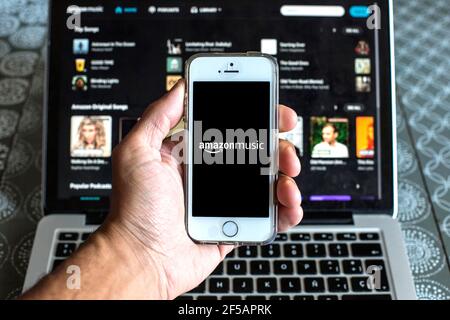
66 243
297 265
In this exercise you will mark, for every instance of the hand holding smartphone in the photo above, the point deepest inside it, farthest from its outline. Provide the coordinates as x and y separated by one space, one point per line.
232 148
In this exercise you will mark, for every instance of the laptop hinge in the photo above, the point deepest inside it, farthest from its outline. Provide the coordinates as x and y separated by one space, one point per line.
95 217
323 218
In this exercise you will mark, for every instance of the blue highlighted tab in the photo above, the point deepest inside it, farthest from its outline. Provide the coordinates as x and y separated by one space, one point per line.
94 198
359 11
130 10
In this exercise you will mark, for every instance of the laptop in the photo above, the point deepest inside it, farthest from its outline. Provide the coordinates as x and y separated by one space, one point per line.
336 67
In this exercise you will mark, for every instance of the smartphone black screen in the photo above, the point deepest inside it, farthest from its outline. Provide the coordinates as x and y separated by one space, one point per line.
224 185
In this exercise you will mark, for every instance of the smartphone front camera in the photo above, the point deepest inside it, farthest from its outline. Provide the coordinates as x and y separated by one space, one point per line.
231 64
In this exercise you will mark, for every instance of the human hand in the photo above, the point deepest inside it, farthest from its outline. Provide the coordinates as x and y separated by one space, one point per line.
147 204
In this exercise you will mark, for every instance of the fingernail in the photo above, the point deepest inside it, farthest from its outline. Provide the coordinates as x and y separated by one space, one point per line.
177 84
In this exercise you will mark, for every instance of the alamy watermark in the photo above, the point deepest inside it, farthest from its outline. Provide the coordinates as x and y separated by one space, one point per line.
74 20
374 20
229 146
374 280
73 281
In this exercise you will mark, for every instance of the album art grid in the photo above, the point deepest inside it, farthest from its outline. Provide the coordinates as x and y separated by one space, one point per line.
330 137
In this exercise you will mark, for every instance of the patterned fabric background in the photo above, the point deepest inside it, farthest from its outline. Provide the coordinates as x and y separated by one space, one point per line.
423 77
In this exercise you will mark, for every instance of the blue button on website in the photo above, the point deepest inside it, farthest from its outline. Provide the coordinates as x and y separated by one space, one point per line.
359 11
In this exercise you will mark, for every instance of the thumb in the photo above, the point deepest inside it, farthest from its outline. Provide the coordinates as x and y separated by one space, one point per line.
161 116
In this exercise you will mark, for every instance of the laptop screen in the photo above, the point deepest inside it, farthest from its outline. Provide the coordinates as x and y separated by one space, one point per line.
114 58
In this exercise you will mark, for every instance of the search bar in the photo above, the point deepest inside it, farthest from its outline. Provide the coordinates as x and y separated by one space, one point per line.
312 11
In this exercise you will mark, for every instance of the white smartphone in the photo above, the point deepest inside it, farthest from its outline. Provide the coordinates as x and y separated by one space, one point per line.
231 155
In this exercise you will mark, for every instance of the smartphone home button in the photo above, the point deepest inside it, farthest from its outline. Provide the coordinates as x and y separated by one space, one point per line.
230 229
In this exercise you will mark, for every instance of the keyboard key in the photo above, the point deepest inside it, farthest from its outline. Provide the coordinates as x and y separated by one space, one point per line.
56 263
304 298
279 298
366 249
283 267
359 284
338 284
338 250
300 236
281 237
259 267
255 297
346 236
184 297
367 297
219 285
314 285
231 298
329 267
315 250
327 297
247 252
323 236
369 236
384 283
265 285
85 236
243 285
199 289
68 236
236 267
290 284
218 270
270 251
375 262
352 266
306 267
65 249
207 298
293 250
